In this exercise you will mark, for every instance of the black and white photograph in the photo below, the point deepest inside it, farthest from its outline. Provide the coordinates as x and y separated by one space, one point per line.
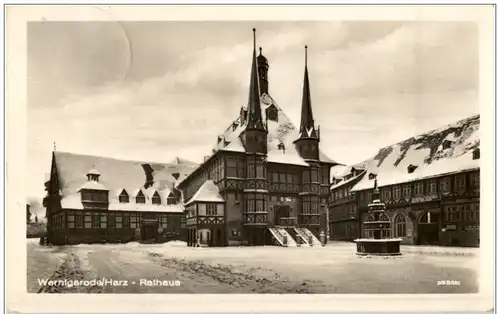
255 156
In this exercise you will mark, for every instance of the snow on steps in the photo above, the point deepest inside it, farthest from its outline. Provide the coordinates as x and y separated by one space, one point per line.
279 234
305 233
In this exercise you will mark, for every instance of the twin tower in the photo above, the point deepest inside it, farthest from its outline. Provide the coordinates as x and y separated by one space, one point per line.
255 134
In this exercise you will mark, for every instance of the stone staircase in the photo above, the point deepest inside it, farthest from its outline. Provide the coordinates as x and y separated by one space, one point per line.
279 235
305 233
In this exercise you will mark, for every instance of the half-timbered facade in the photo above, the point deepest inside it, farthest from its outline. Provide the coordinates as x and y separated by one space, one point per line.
93 199
429 183
272 177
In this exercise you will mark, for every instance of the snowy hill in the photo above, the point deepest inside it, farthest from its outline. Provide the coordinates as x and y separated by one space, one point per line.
445 150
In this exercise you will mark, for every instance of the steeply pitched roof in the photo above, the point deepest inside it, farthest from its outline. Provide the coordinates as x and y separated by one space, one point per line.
426 152
208 192
282 131
116 175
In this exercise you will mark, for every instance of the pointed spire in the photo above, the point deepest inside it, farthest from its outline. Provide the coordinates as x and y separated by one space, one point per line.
376 191
254 115
306 120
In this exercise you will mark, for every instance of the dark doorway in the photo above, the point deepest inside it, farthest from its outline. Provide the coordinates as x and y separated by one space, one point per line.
218 237
428 229
281 212
149 232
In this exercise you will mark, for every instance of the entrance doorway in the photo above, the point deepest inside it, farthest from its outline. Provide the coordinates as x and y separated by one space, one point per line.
281 212
428 229
149 231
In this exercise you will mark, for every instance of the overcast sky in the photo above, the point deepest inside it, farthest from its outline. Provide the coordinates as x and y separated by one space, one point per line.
154 90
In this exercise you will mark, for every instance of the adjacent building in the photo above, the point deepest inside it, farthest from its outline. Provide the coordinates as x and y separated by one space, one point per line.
92 199
430 184
266 181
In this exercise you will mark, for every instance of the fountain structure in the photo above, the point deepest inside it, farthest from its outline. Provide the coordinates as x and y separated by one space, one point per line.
378 225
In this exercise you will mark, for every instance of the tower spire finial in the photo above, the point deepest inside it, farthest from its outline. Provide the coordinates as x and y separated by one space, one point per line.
254 41
306 55
54 145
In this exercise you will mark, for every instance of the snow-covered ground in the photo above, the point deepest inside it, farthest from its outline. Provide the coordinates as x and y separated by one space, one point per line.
331 269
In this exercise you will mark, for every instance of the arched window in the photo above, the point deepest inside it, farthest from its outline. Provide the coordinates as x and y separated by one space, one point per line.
140 198
156 199
386 231
400 226
368 227
123 197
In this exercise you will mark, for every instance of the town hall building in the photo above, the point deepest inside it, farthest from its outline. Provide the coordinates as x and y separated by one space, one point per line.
266 181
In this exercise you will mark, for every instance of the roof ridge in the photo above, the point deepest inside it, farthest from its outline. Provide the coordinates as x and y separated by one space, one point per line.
121 159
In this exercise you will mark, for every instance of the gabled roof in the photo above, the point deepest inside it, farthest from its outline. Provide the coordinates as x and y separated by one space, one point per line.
281 131
117 175
208 192
427 153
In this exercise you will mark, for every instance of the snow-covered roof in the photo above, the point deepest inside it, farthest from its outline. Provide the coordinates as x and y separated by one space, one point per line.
118 175
93 185
281 131
208 192
346 181
93 171
427 153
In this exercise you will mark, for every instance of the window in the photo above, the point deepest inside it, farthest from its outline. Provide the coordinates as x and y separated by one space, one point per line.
475 180
79 220
459 182
314 175
111 221
232 167
103 221
446 144
310 205
140 198
211 209
156 199
95 221
431 187
256 202
419 188
123 198
118 221
271 111
275 177
126 220
94 196
134 221
289 178
367 227
164 221
475 154
88 221
452 213
171 200
406 191
444 185
71 220
411 168
387 194
305 176
282 178
250 171
396 192
260 170
325 177
400 226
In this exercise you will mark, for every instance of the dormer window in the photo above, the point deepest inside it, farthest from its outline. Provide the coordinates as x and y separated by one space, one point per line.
475 154
140 198
412 168
446 144
171 200
156 199
272 113
176 175
123 197
372 176
235 125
